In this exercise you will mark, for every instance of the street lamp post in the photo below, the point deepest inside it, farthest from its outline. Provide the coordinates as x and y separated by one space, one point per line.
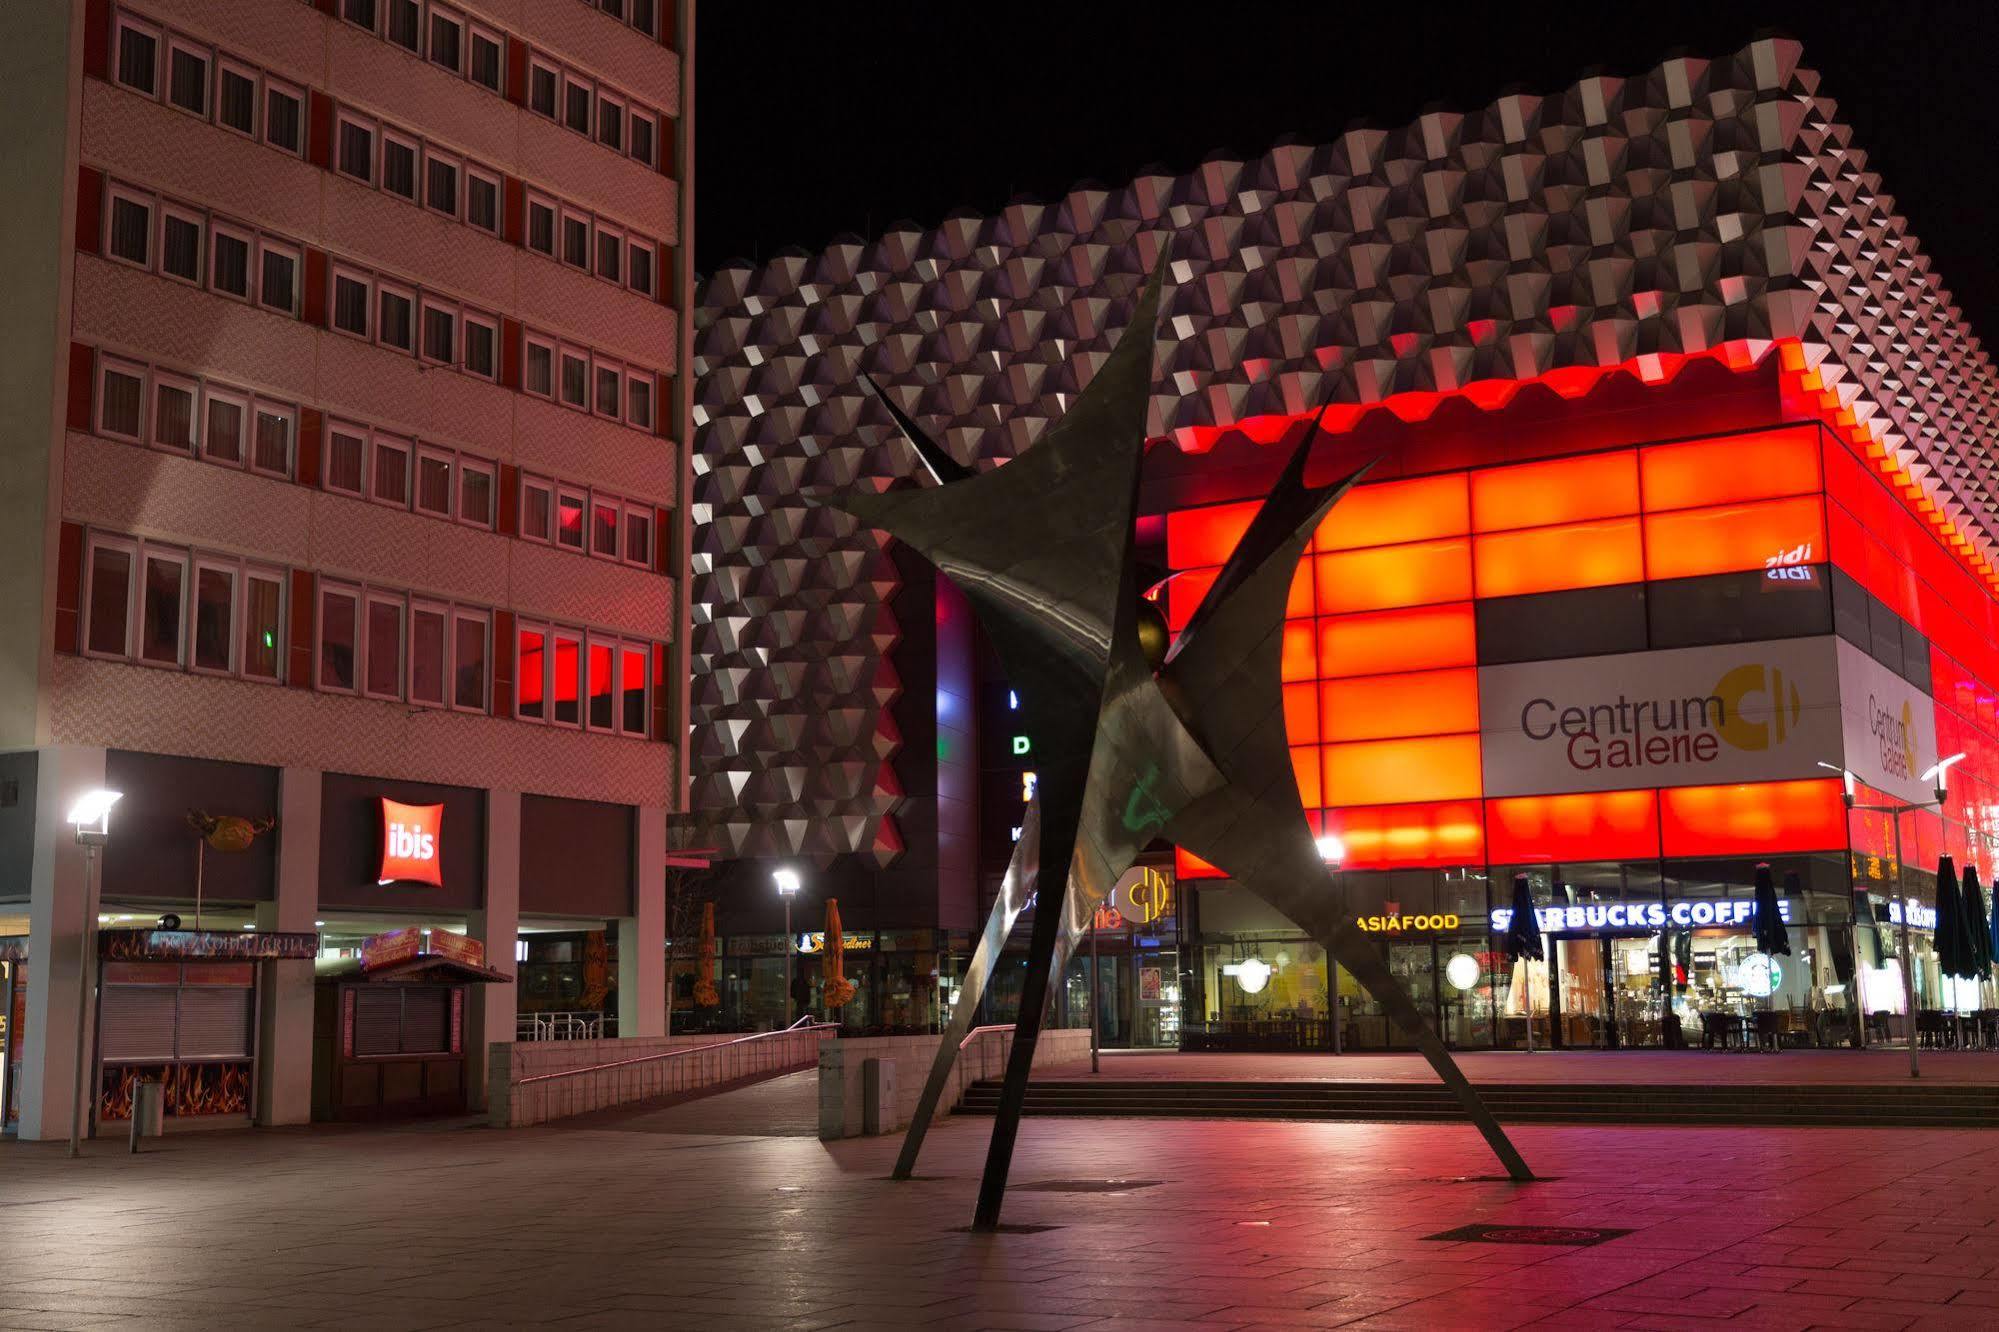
1334 852
787 888
1903 905
91 817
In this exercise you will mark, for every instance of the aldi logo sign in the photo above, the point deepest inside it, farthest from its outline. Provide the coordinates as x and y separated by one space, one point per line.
410 836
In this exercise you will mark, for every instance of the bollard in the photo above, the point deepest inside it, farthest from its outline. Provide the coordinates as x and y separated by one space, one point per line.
878 1096
149 1111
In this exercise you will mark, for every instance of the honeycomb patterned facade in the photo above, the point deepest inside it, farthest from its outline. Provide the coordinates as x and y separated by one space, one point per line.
1705 203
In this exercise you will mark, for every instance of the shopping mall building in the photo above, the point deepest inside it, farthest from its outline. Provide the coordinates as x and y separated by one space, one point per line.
1680 503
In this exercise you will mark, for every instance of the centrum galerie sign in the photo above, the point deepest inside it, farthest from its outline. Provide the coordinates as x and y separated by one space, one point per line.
1889 725
1746 712
410 836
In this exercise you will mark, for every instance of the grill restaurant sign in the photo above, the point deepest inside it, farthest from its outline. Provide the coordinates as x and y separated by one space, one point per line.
1745 712
1890 726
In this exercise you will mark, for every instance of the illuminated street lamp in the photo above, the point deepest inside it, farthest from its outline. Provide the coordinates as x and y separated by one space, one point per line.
787 888
1905 905
91 817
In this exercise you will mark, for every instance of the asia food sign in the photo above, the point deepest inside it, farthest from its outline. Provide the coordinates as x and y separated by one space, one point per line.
1748 712
410 837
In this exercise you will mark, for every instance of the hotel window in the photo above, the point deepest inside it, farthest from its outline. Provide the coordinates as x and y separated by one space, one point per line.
161 614
638 399
277 427
187 77
605 516
346 459
441 177
405 27
602 682
229 260
540 372
537 509
225 418
610 254
447 39
433 482
180 244
363 12
638 267
263 623
566 683
610 381
440 332
645 137
541 226
576 239
632 682
138 56
482 199
542 83
577 98
482 345
357 148
611 122
615 8
429 629
284 117
277 286
638 535
470 635
475 493
352 300
570 506
391 459
131 227
339 636
173 413
530 672
399 157
121 400
383 677
214 639
236 98
108 613
396 326
575 379
644 17
488 59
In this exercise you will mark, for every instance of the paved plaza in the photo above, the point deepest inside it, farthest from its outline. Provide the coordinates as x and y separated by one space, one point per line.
1573 1067
728 1213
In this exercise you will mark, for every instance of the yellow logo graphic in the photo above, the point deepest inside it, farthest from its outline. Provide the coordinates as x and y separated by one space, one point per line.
1908 737
1786 707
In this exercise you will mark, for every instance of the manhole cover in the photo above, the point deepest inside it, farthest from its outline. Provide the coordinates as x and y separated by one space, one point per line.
1578 1236
1002 1230
1088 1185
1491 1179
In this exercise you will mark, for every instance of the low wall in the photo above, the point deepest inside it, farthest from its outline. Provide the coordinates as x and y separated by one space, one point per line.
711 1060
842 1085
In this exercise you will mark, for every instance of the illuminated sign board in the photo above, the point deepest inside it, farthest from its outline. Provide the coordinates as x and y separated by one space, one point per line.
410 836
1744 712
1419 924
1888 725
1920 917
1702 913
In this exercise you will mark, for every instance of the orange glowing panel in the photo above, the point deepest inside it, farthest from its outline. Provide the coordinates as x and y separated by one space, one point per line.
1397 640
1415 836
1374 707
1305 765
1420 574
1301 713
1199 537
1757 819
1187 865
1393 512
1731 468
1597 825
1565 490
1735 537
1381 772
1184 593
1548 559
1300 660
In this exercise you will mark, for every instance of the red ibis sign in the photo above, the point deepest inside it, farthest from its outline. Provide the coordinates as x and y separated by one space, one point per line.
410 836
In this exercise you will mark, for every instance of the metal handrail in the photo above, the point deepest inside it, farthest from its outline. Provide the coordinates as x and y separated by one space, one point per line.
804 1024
984 1031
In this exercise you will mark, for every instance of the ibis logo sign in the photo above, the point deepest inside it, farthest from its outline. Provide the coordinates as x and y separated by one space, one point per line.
410 837
1690 716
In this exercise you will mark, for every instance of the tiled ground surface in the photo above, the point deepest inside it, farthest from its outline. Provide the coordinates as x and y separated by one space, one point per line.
1845 1067
1280 1225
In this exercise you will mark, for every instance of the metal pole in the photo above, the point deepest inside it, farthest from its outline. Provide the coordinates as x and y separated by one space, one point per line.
1908 958
1096 1037
788 1015
200 864
85 941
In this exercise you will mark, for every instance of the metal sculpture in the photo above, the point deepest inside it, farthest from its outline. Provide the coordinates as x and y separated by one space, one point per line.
1043 549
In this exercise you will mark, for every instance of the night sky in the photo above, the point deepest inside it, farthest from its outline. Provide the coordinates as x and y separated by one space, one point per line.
848 115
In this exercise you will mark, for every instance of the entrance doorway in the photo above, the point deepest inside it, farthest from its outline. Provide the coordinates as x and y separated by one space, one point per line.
1606 989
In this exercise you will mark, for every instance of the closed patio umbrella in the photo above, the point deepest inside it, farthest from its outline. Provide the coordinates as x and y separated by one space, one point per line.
1523 940
1771 936
1952 942
1978 924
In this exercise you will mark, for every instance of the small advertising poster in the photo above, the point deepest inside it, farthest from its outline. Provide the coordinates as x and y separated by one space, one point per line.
457 947
1149 981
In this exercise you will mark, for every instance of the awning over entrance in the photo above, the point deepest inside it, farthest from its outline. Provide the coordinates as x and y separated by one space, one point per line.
425 967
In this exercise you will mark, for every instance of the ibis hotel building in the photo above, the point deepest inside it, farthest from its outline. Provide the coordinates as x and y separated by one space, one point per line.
344 402
1681 510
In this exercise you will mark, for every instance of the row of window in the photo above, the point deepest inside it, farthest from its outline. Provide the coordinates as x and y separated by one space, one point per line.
206 83
233 427
182 609
445 37
640 14
205 250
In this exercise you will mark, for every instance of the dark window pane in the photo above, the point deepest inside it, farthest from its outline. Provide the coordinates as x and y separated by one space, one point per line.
475 496
274 442
531 670
187 82
214 599
392 475
159 625
138 60
336 640
444 186
236 105
283 121
569 521
610 258
1885 637
1916 659
1849 611
541 91
486 61
405 24
482 203
1740 607
131 230
280 277
399 168
361 12
632 691
122 412
541 229
262 631
1584 622
344 453
638 396
540 370
469 664
357 150
385 647
232 264
576 241
644 17
611 125
641 268
609 382
603 688
535 513
180 247
480 354
576 106
396 328
110 592
440 334
173 417
446 39
604 530
433 485
638 538
350 305
427 656
575 381
224 438
642 137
